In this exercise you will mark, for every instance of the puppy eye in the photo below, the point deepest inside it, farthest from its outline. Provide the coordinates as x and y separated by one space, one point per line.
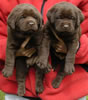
57 17
71 17
60 17
35 17
23 16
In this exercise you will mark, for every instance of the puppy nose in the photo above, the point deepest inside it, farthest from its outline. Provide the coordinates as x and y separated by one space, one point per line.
66 26
31 23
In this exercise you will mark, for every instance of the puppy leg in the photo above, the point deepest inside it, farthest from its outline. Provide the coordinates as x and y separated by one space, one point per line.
39 81
43 53
70 57
9 63
21 72
60 75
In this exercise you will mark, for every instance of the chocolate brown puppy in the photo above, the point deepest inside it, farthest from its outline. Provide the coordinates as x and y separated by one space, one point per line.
64 21
24 21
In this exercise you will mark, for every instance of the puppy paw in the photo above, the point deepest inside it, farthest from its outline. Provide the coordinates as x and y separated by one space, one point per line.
48 68
39 88
7 72
69 68
21 91
41 63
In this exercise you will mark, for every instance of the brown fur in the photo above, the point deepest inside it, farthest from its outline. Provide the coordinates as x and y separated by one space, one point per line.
23 21
65 19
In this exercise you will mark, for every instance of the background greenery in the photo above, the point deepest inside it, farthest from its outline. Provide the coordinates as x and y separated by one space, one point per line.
87 98
2 95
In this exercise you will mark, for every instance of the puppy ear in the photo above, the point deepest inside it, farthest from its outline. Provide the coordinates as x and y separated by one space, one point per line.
50 15
11 20
40 20
80 17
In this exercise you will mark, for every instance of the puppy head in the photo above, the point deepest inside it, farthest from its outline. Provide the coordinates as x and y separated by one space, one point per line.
25 17
65 17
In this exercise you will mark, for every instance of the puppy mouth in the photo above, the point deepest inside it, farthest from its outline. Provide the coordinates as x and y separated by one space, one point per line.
31 30
64 30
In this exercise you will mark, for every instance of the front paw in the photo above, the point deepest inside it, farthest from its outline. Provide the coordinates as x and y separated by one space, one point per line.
48 68
7 72
41 63
69 68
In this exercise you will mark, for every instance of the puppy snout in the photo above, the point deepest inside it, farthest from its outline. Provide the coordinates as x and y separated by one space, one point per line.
31 23
66 26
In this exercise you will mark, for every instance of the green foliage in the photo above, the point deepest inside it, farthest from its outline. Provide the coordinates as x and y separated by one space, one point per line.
2 96
87 98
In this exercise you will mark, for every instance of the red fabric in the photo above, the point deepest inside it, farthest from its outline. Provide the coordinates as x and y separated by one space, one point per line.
73 86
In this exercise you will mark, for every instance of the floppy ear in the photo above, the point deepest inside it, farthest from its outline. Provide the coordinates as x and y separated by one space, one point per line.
40 20
80 17
11 20
50 14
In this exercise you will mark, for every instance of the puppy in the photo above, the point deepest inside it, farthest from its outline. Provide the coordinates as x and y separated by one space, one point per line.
24 21
64 21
